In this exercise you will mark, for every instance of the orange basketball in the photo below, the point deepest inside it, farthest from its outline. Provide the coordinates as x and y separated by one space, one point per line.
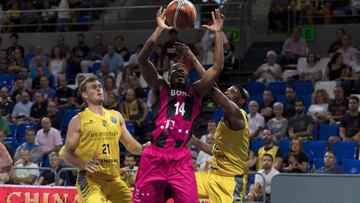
180 14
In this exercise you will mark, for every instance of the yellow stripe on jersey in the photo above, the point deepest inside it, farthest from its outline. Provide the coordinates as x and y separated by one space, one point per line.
99 139
234 147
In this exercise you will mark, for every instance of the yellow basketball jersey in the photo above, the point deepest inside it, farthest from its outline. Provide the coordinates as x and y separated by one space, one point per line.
234 146
99 139
262 151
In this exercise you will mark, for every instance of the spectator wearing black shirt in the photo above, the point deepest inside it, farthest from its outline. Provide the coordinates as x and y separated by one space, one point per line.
63 93
296 161
48 177
289 104
266 107
53 114
14 45
337 44
338 106
79 52
6 103
4 62
330 166
36 82
121 48
300 125
19 86
336 69
38 109
134 83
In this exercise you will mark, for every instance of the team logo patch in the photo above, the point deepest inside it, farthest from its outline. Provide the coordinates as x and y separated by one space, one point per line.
104 123
113 119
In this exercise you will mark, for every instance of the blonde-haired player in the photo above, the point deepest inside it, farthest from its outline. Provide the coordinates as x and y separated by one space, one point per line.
92 146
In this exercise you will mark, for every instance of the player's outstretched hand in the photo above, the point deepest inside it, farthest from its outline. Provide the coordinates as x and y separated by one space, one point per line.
183 49
92 166
218 21
160 19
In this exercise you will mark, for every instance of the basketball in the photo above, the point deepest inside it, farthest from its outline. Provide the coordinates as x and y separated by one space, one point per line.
180 14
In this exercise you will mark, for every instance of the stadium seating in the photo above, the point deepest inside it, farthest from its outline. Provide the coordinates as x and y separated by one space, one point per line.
328 130
13 128
67 115
318 163
218 114
345 150
130 128
284 146
11 141
255 88
21 128
95 67
351 166
278 88
255 145
7 80
303 87
315 149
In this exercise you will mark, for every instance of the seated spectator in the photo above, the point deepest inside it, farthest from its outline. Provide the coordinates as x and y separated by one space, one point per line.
300 125
134 58
266 107
96 54
268 172
336 69
57 63
278 13
338 106
211 127
256 121
104 72
11 50
39 55
22 109
269 71
337 44
24 74
5 164
48 137
330 166
36 84
347 51
353 84
296 161
311 69
278 125
122 79
113 59
269 148
19 86
63 93
6 103
8 147
38 62
48 177
169 45
4 62
350 124
64 47
38 109
45 89
160 59
121 48
203 159
128 172
24 176
112 102
318 108
289 103
109 86
81 50
36 154
355 67
54 114
17 62
293 48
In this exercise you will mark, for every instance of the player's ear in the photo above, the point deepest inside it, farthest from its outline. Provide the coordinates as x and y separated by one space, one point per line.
84 95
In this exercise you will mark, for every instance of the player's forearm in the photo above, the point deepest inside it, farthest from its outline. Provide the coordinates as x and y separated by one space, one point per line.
74 160
201 145
218 62
134 147
149 45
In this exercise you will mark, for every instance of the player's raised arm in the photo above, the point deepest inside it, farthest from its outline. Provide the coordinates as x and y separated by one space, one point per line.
146 67
72 141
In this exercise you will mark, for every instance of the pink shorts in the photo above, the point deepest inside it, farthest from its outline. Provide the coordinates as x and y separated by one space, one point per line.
161 169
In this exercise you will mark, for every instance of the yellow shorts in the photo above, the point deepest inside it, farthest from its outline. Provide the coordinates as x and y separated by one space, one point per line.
92 189
220 188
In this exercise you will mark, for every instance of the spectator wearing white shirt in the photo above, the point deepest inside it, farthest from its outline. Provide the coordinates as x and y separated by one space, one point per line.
318 108
57 63
24 176
48 137
310 70
203 159
268 172
348 52
134 58
269 71
256 121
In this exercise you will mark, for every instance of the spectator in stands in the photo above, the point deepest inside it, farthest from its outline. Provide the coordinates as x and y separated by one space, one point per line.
338 106
81 50
24 74
5 164
4 62
39 108
269 148
318 108
211 126
256 121
16 62
311 69
296 161
48 137
121 48
64 47
7 146
354 74
134 111
96 55
160 59
337 44
278 13
336 69
109 86
113 59
24 176
268 172
347 51
350 124
48 16
300 125
38 62
330 166
134 58
289 103
169 45
53 114
266 107
47 91
78 98
4 124
13 17
19 86
39 54
293 48
269 71
63 93
30 18
22 109
14 45
278 125
112 102
203 159
29 145
128 172
36 81
208 42
57 63
48 177
104 72
6 103
63 17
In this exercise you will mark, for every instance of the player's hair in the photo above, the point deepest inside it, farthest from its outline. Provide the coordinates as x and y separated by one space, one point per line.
82 87
244 94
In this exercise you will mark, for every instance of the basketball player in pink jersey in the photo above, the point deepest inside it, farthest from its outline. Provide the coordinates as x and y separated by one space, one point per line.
167 163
